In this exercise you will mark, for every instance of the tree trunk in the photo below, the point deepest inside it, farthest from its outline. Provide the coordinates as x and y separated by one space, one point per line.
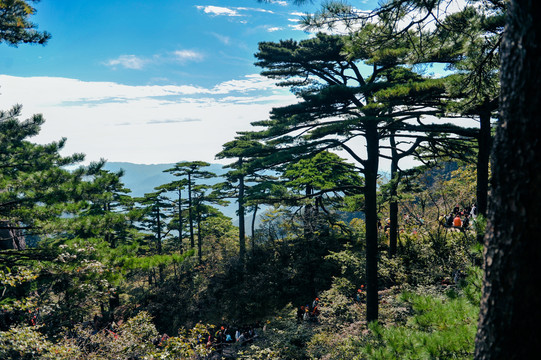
393 203
371 214
199 238
242 229
159 240
180 220
190 211
510 316
483 156
308 215
254 217
158 231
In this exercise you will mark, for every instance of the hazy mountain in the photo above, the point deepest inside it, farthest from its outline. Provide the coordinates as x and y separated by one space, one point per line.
143 178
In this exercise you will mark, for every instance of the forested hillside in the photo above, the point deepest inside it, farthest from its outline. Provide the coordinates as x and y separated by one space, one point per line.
323 257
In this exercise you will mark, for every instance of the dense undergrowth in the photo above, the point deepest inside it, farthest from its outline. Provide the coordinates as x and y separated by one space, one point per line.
78 297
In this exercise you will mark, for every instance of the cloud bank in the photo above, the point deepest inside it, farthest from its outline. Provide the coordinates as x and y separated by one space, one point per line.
142 124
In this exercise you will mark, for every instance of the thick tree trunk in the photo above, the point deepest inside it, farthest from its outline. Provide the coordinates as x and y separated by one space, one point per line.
371 211
483 157
510 306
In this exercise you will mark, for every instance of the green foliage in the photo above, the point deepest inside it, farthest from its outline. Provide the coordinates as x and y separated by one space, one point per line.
430 322
15 26
189 344
22 342
100 257
441 327
323 171
282 338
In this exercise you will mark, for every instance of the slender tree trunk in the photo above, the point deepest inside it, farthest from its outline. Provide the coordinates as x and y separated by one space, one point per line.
308 215
158 231
180 220
370 198
159 240
199 238
254 216
190 211
309 224
242 229
510 306
393 203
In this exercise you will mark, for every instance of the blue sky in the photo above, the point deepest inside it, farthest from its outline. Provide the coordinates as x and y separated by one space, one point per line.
149 81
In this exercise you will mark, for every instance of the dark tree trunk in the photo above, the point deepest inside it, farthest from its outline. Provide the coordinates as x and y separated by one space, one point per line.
180 220
190 211
159 239
483 157
11 237
393 204
199 239
309 226
158 231
371 211
254 217
510 306
308 215
242 229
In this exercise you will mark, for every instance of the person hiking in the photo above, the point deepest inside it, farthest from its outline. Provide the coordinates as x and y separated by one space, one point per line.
360 294
466 222
300 313
449 222
473 211
457 222
306 315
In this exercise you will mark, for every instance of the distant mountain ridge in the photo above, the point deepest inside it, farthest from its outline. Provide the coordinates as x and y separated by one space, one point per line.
143 178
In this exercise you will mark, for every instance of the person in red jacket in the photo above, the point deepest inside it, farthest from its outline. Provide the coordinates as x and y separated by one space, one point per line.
457 222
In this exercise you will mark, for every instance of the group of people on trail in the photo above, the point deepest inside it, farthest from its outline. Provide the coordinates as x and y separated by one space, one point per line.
228 335
459 219
308 312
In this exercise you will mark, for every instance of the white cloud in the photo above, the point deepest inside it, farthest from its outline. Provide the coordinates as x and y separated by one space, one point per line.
185 55
254 9
230 11
279 2
218 11
297 27
143 124
250 83
128 62
273 29
137 63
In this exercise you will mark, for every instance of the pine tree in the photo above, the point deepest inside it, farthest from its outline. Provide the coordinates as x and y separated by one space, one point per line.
15 27
340 105
191 171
